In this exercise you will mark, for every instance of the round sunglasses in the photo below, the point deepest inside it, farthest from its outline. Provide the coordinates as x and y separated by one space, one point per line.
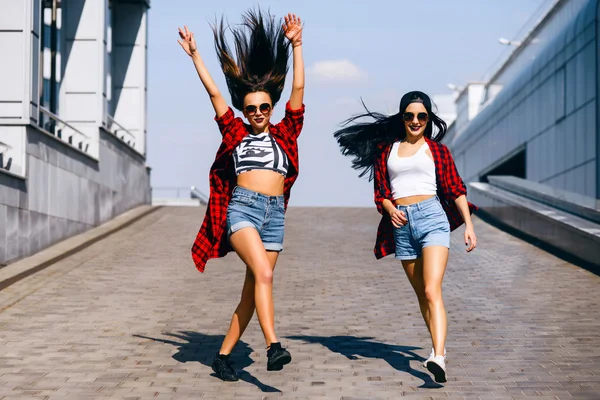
408 117
264 108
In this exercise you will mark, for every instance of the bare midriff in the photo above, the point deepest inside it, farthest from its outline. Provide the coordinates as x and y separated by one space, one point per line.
407 201
264 181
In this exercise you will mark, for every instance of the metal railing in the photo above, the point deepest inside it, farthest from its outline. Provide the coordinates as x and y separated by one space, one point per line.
120 131
187 192
55 126
5 154
197 194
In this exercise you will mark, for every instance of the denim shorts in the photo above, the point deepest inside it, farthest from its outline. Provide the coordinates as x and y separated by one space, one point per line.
427 226
264 213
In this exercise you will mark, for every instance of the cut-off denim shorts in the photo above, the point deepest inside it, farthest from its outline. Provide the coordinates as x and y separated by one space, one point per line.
264 213
427 226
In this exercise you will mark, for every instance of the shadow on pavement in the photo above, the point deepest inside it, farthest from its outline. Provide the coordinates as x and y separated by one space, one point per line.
198 347
353 347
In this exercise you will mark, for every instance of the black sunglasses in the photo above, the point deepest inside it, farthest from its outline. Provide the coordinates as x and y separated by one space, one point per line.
264 108
408 117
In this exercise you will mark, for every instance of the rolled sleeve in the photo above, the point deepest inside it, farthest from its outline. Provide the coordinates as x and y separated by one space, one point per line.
456 185
381 191
294 113
293 121
225 120
230 126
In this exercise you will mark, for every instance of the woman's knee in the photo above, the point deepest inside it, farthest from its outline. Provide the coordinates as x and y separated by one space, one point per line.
432 293
264 275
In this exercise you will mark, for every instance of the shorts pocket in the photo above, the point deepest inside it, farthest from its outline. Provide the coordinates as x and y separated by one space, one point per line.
434 210
243 199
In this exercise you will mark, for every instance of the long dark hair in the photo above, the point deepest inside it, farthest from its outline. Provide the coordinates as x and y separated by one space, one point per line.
364 141
262 56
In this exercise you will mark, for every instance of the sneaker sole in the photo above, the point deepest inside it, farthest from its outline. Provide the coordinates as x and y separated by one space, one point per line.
223 379
429 359
279 363
438 373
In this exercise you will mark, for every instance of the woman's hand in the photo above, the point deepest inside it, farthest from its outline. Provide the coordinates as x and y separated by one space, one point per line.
293 29
187 41
398 218
470 238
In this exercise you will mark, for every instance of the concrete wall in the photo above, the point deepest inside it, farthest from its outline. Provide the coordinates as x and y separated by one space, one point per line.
19 75
550 110
554 23
83 87
129 69
75 173
67 192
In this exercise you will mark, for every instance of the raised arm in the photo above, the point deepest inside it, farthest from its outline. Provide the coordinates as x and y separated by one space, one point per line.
188 43
293 31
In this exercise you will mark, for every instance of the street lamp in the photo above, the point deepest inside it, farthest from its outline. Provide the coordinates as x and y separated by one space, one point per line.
508 42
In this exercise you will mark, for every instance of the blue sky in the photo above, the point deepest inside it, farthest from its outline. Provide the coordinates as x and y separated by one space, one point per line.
380 49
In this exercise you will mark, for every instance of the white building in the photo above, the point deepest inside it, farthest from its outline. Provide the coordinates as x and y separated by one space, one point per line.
72 117
537 116
528 140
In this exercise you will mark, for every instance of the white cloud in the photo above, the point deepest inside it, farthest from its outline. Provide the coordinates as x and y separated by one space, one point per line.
338 71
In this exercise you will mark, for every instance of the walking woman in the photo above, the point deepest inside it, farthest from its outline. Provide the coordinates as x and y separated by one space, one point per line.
421 198
255 166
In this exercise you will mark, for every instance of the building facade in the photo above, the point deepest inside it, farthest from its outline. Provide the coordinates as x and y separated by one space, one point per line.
72 118
538 115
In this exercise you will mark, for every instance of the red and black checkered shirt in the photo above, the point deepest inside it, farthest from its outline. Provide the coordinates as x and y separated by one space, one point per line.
211 241
449 187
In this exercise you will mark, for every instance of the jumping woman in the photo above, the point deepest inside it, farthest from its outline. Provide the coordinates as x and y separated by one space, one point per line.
421 198
255 166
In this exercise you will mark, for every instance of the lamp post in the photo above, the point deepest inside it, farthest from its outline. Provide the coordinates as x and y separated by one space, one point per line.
508 42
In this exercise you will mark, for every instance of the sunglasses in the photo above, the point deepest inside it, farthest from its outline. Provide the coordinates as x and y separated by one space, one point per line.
264 108
408 117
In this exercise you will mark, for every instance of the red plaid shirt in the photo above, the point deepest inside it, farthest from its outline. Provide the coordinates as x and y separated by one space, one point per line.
449 187
211 241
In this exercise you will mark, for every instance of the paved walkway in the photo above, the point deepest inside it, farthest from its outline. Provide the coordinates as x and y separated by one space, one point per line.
130 318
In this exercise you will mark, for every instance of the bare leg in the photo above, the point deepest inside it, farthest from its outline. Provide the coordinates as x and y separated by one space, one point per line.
435 259
414 272
245 309
248 245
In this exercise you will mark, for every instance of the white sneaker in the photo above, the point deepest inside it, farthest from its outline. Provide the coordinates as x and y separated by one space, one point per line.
431 355
437 366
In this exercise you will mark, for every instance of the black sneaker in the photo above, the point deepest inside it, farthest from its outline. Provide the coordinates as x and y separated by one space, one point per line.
222 367
278 357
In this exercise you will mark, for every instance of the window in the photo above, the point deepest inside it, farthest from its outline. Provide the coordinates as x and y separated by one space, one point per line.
514 166
50 54
561 92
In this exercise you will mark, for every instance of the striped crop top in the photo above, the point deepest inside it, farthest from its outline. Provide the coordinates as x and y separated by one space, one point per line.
260 151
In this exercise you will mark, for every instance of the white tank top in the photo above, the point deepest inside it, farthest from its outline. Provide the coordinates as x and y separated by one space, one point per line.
411 176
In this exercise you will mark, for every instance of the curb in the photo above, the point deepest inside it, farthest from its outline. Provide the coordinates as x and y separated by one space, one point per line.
21 269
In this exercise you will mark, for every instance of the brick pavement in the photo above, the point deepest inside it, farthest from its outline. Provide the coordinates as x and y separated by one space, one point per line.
130 318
